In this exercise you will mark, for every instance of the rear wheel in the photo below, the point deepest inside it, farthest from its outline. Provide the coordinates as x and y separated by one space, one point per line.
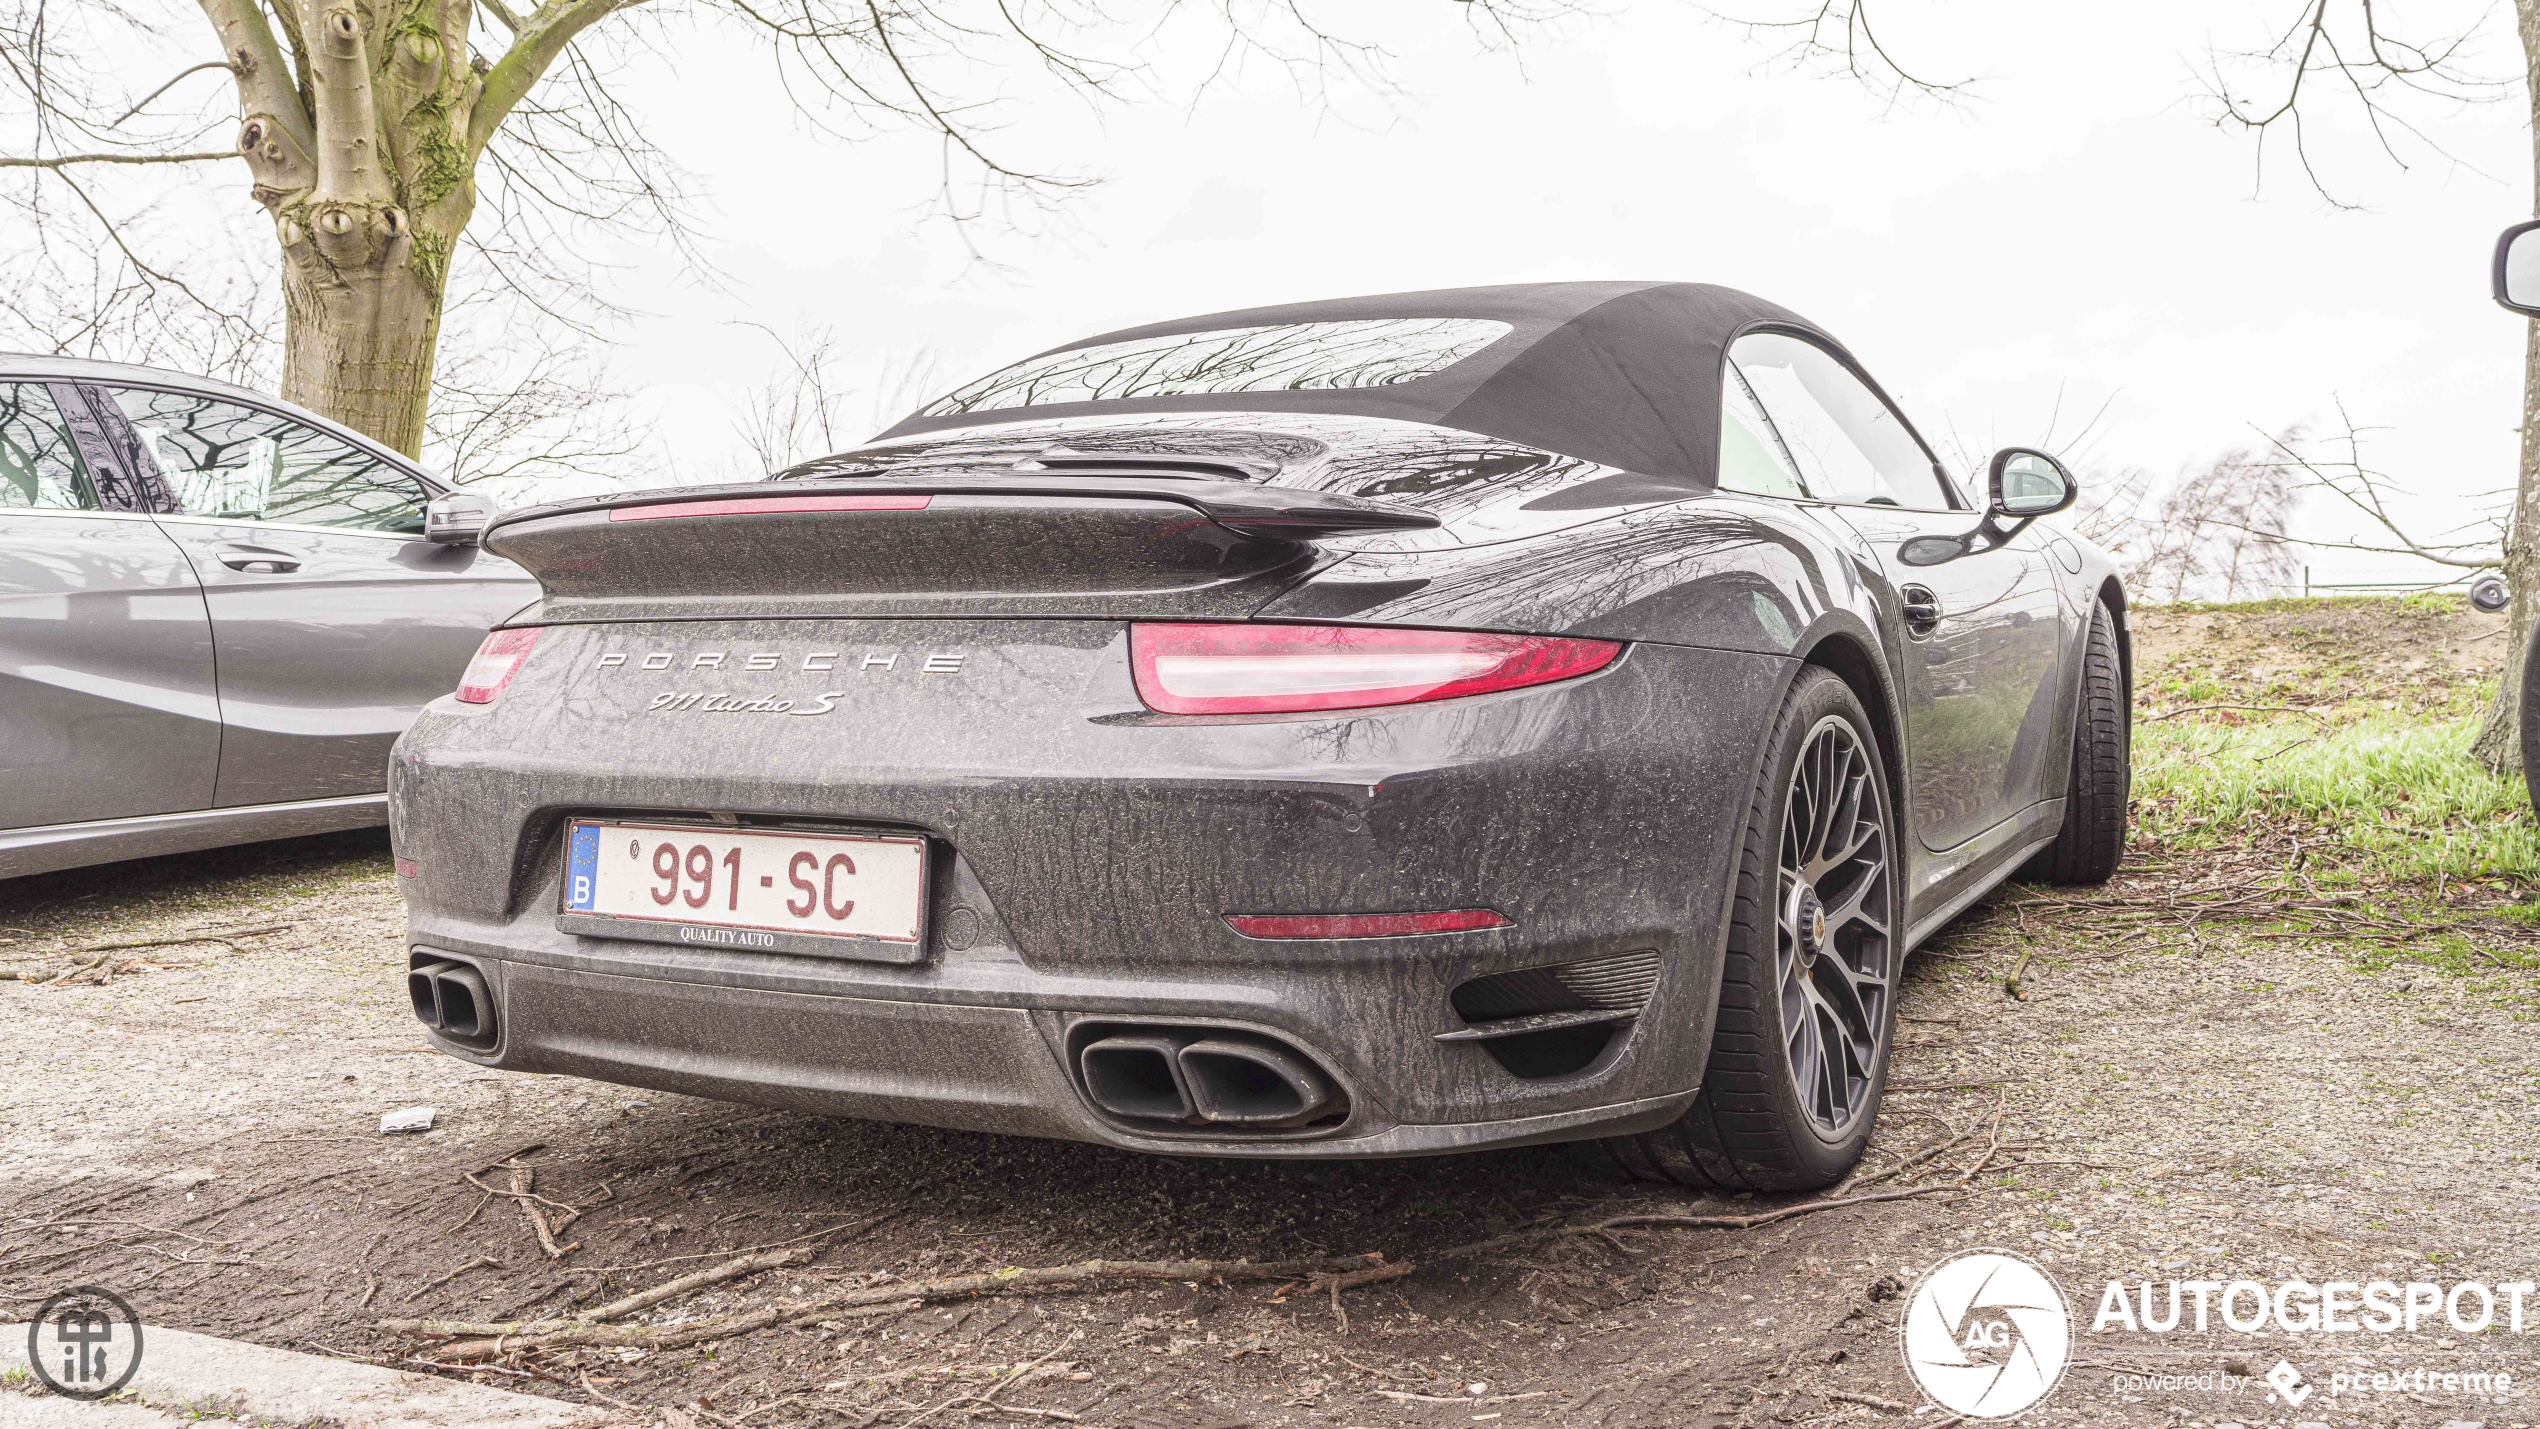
1808 984
2087 848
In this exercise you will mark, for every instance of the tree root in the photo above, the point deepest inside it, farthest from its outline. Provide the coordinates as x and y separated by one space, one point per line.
488 1340
472 1341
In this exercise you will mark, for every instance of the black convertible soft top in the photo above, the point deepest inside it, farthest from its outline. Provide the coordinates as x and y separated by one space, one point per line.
1622 373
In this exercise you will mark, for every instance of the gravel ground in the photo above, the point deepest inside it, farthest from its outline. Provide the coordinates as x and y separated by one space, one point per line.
2198 1082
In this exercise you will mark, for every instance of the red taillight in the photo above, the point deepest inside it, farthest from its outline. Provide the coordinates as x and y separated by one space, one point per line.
1287 669
1362 925
497 660
768 506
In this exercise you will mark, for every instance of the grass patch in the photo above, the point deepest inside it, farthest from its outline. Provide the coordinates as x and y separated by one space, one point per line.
2390 795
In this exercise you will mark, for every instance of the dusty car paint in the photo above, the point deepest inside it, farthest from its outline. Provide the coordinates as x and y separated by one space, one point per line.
1088 849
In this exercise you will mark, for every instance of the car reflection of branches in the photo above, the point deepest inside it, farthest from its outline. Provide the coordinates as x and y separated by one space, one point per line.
1291 357
1450 479
37 465
1608 566
245 464
1000 453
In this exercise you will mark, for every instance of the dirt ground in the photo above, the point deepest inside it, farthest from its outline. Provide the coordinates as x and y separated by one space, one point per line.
2200 1081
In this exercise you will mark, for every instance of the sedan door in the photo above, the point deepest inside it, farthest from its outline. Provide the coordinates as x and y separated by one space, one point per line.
107 704
335 621
1982 649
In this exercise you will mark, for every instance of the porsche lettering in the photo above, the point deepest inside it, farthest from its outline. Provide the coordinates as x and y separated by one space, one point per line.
767 661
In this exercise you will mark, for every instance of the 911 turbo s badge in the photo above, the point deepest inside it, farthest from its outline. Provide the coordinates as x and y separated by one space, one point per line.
698 702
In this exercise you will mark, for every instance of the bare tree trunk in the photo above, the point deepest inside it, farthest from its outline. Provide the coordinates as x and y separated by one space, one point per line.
358 346
362 147
2499 741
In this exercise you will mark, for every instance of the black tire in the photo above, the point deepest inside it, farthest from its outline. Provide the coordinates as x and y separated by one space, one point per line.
1766 1119
2087 848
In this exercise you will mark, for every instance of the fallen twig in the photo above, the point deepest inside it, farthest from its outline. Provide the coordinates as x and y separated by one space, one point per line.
482 1262
2259 709
1846 1396
2011 984
857 1228
1605 1227
698 1280
523 1190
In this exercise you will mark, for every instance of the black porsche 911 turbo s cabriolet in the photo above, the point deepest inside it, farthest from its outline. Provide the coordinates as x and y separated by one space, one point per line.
1374 727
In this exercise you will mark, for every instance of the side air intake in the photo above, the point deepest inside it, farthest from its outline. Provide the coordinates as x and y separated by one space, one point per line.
1553 1021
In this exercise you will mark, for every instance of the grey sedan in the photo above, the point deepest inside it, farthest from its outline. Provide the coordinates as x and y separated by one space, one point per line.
217 612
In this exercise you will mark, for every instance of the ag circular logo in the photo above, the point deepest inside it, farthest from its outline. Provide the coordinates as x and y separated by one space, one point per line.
1987 1334
85 1343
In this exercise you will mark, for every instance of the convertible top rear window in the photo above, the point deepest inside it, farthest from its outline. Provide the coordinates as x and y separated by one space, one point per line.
1289 357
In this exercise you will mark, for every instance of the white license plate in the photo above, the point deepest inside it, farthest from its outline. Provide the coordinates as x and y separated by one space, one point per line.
778 892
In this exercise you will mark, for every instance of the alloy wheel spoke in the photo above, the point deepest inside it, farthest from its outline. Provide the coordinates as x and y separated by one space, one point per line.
1834 992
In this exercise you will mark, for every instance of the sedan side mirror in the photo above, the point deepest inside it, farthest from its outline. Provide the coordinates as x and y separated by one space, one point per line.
2516 274
457 518
2027 483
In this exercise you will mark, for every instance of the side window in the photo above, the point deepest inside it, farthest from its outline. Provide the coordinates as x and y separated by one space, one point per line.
226 460
39 465
1751 455
1850 446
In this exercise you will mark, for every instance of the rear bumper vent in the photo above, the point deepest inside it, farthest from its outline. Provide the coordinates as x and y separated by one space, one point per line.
1190 1078
451 998
1553 1021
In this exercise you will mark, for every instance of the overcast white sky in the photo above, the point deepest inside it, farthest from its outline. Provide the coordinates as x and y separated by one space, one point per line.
2075 233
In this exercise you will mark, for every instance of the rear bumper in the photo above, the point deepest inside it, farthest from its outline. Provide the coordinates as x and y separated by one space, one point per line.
1084 857
965 1066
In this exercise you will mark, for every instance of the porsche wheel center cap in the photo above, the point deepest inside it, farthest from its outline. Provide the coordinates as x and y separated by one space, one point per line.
1807 923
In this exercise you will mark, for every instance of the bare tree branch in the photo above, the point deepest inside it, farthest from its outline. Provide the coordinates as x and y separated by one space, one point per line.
144 101
2371 494
2371 71
534 48
63 161
1837 34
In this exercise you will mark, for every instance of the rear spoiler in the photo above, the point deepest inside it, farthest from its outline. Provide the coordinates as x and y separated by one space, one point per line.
1252 509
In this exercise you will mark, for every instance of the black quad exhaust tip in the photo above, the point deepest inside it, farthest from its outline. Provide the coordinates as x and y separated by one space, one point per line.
427 1004
1138 1076
1205 1077
1252 1084
451 998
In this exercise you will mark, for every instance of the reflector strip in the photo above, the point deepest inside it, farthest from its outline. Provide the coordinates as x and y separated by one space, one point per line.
767 506
1362 925
497 660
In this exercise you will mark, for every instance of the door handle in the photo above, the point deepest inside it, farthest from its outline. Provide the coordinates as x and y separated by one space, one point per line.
1921 608
268 565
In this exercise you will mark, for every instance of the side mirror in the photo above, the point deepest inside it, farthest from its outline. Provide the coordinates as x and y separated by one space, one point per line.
2026 484
2516 274
457 518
